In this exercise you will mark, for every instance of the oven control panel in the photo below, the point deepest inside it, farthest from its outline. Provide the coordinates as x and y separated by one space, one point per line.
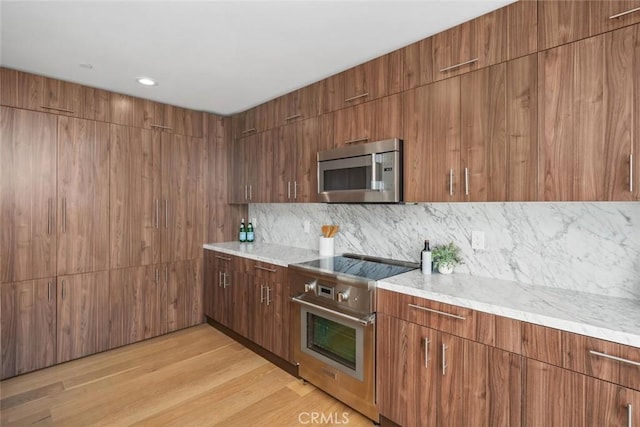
336 294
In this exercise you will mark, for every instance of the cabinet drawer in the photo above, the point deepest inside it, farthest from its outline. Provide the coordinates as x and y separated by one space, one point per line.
455 320
265 271
542 343
225 262
606 360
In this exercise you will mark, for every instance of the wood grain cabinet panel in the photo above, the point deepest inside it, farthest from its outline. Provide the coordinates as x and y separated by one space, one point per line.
121 109
184 294
135 201
521 28
83 315
28 326
588 116
577 356
374 79
542 343
62 98
432 142
27 195
300 104
8 87
83 196
611 405
220 284
96 104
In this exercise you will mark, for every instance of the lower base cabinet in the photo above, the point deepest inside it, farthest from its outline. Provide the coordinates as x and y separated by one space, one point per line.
430 378
27 326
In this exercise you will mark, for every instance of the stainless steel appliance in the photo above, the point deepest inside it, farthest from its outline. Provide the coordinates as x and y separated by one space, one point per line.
333 326
364 173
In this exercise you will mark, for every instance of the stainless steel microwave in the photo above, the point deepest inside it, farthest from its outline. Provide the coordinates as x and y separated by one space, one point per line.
364 173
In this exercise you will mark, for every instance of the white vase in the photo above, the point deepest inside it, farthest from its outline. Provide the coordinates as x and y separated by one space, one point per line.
445 268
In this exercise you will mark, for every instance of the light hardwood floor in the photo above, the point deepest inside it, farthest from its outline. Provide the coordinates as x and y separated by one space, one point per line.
194 377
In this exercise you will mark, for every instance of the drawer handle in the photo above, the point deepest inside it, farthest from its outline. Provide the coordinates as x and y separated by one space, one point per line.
444 359
451 67
618 359
362 95
295 116
161 127
224 258
455 316
270 270
244 132
629 415
353 141
626 12
57 109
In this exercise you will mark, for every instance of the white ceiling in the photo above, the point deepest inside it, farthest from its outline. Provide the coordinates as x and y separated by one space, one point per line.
217 56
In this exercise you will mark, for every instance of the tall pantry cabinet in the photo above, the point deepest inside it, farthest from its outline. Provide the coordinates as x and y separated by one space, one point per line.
101 224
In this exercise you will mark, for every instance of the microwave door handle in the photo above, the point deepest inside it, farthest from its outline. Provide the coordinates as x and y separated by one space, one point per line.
374 170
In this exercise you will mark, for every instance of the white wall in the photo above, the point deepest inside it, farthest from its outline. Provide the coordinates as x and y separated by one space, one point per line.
591 247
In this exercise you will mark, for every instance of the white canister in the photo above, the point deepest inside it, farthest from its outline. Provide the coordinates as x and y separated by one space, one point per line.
326 246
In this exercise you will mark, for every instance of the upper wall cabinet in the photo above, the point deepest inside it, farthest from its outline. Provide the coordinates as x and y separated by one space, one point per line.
255 120
589 118
567 21
373 79
167 118
298 105
372 121
31 92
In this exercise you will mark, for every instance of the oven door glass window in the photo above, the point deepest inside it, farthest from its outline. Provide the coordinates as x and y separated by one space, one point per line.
335 341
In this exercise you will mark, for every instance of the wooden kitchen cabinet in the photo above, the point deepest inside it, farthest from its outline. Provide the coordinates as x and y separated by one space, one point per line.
521 28
96 104
374 79
562 22
253 168
184 294
121 109
431 378
298 105
82 315
587 116
61 97
254 120
83 196
372 121
28 326
137 304
611 405
432 142
182 183
220 274
135 195
27 195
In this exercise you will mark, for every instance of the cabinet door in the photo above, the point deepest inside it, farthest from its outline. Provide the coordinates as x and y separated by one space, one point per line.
282 164
432 142
237 183
543 384
450 356
121 109
184 294
369 122
96 104
134 196
611 405
305 181
298 105
182 195
188 122
83 315
407 372
137 304
63 98
27 195
276 319
28 326
373 79
83 196
588 116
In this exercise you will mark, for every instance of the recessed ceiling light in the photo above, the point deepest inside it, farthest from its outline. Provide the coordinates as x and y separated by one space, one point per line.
146 81
87 66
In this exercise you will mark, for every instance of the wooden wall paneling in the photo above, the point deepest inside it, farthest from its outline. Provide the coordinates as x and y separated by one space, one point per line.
483 134
96 104
522 129
556 118
83 196
121 109
62 98
522 28
8 87
28 326
27 195
542 343
83 315
135 199
621 117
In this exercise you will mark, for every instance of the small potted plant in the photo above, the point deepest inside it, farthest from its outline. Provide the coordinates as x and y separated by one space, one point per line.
446 257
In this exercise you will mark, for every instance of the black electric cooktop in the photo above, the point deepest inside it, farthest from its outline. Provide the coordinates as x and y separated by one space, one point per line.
360 266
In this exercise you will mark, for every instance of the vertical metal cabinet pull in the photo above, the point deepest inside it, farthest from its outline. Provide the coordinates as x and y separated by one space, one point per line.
250 191
444 359
268 290
426 352
631 173
288 189
629 415
219 279
451 182
261 294
166 213
246 188
466 181
295 190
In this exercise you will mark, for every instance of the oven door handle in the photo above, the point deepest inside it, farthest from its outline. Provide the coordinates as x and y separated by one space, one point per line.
363 321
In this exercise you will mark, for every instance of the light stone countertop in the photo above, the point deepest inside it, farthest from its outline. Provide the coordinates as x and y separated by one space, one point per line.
266 252
607 318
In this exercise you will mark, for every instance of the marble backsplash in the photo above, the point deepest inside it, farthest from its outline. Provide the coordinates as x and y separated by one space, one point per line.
589 247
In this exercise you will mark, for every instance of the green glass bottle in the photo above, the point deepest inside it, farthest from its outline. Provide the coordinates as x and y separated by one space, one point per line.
243 232
250 234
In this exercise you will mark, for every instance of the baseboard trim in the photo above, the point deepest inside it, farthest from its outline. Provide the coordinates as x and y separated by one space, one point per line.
260 351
